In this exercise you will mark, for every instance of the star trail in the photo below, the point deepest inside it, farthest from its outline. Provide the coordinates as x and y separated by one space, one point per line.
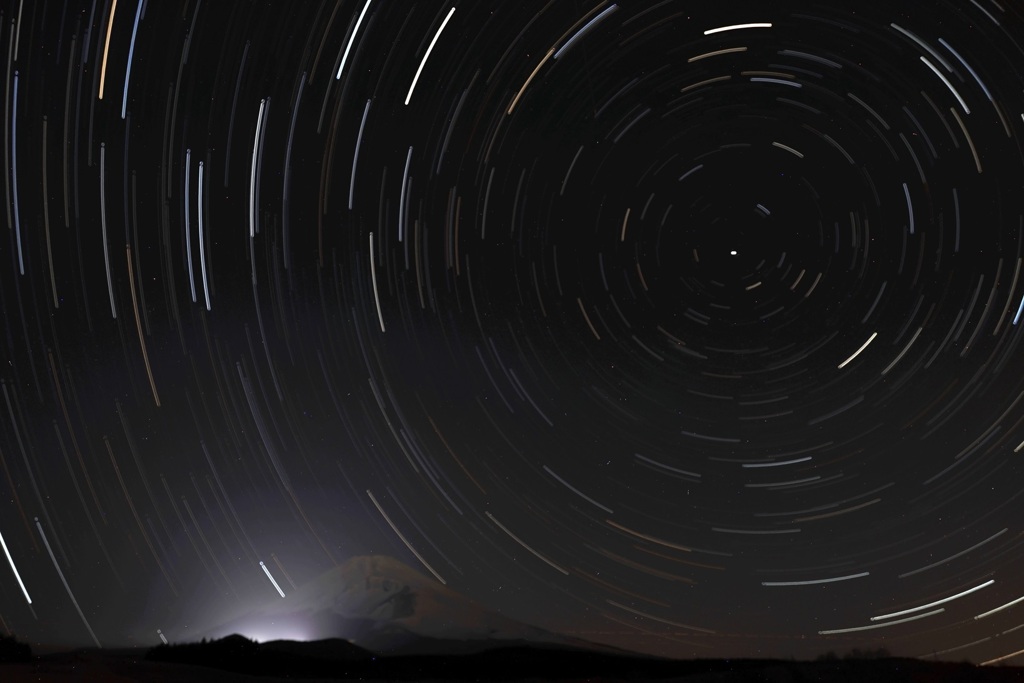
692 329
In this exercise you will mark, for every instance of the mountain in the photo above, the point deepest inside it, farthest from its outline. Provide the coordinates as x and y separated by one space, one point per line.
386 606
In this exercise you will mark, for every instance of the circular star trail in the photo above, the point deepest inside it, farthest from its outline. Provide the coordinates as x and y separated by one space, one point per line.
694 331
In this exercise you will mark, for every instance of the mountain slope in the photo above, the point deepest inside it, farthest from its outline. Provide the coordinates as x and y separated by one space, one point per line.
383 604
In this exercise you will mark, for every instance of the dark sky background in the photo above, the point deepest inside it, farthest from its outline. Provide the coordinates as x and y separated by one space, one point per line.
696 342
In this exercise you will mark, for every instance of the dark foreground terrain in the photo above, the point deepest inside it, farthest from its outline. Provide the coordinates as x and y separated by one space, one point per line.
236 659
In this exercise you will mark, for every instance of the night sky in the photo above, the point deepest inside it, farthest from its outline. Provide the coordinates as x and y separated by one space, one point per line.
692 328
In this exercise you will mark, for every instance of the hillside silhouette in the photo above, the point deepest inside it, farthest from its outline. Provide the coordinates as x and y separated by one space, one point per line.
341 660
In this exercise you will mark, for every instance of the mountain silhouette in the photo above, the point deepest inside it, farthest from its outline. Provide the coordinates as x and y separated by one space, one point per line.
384 605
